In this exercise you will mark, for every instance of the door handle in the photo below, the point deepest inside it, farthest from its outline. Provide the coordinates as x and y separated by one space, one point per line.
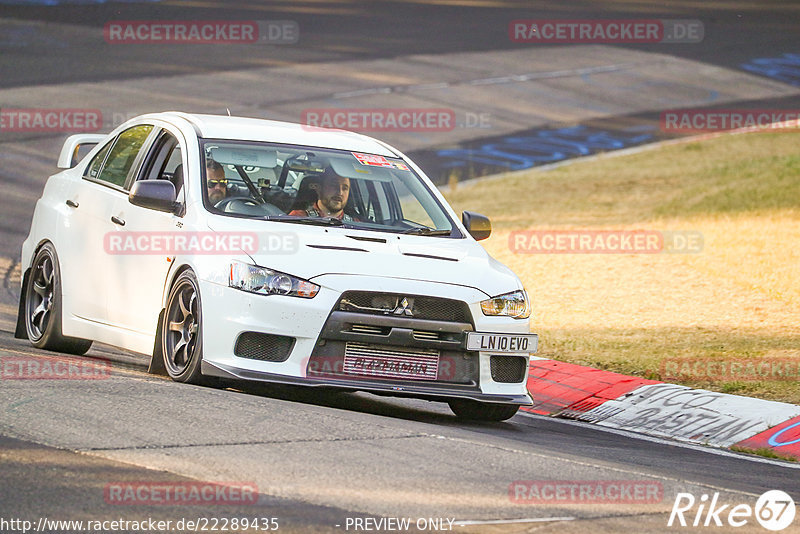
72 204
117 220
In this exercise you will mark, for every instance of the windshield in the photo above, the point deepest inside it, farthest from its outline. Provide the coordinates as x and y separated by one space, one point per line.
306 185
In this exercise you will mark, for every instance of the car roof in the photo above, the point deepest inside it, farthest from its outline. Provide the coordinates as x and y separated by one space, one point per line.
250 129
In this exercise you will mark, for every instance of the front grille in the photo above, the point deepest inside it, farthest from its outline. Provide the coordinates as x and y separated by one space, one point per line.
419 335
337 359
508 369
422 335
264 347
417 307
386 361
372 337
370 329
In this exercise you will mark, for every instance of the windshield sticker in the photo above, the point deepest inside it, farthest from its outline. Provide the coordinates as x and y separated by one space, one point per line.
401 166
371 159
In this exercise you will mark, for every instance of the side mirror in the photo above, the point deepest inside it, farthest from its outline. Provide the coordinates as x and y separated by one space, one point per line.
70 150
154 194
479 226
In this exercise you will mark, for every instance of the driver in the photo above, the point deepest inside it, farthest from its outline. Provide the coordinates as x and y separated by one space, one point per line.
332 192
216 182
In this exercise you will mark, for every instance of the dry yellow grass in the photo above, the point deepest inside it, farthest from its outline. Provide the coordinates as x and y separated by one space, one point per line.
738 298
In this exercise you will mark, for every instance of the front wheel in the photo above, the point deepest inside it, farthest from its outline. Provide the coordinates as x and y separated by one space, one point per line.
482 411
181 331
43 306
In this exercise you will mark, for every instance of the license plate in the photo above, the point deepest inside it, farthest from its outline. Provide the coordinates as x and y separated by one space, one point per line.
502 342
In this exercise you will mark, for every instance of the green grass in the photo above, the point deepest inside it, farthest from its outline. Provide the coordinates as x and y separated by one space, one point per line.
756 184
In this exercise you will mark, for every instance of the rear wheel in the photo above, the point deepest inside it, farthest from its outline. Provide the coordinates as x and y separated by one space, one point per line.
43 306
482 411
181 331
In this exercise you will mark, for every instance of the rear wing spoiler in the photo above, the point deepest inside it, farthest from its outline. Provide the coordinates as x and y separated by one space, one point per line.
69 152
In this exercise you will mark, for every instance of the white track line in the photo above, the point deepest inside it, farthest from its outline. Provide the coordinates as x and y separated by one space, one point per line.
496 80
512 521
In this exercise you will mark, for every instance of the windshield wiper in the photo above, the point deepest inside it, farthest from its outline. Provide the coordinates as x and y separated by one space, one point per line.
426 231
319 221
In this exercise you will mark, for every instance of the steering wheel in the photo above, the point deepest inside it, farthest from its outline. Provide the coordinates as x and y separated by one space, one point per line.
226 203
245 205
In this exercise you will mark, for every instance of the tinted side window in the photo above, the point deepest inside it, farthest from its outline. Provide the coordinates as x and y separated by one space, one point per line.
123 154
164 162
97 162
173 170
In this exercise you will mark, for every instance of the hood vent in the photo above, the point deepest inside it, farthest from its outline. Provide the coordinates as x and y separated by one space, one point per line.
429 256
363 238
335 247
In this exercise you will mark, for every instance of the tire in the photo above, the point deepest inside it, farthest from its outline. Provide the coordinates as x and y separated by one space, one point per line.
43 306
482 411
181 331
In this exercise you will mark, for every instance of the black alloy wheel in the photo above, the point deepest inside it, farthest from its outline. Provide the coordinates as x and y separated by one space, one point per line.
182 344
43 306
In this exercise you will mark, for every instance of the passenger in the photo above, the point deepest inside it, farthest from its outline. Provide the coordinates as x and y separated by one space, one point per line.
215 181
306 194
333 192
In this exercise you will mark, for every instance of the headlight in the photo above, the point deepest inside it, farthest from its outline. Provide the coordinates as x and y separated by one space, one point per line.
268 282
514 304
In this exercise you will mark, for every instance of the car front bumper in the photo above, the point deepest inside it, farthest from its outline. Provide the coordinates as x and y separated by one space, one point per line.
312 342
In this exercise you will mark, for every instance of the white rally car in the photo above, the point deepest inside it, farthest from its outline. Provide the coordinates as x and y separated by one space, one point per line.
259 250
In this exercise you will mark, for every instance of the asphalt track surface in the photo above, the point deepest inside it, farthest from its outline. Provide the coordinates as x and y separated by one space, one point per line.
320 459
735 31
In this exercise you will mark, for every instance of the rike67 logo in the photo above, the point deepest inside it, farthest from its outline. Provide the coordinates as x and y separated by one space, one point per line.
774 510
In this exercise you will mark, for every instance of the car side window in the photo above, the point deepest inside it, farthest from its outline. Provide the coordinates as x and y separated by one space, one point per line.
173 170
164 162
93 170
123 154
